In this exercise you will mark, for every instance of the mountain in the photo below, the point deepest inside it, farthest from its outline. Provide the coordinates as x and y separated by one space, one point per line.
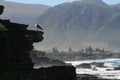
80 24
22 13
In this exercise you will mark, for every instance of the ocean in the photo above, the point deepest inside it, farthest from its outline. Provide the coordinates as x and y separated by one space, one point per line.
106 72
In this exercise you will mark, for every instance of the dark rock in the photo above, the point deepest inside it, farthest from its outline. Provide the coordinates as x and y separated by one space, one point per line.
15 44
88 65
13 26
1 9
84 65
55 73
51 69
117 68
98 64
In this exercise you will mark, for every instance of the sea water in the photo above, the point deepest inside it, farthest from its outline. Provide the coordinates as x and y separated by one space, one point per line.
101 72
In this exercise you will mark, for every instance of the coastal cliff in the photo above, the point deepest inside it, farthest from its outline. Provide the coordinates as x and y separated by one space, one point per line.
16 42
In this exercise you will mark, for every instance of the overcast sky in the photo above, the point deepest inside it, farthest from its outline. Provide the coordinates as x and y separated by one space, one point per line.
55 2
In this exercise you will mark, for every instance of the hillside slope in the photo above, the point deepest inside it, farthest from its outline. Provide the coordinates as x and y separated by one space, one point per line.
80 24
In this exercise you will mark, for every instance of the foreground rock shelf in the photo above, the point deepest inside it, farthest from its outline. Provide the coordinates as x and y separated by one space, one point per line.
55 73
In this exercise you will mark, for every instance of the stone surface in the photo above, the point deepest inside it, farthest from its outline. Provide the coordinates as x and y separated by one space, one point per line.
15 44
55 73
15 64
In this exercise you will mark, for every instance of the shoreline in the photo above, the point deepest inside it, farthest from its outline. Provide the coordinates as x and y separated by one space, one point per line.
107 71
90 77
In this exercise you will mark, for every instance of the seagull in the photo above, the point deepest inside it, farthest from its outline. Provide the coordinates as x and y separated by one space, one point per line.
38 26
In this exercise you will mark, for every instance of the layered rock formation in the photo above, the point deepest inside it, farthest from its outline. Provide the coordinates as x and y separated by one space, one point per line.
15 44
15 64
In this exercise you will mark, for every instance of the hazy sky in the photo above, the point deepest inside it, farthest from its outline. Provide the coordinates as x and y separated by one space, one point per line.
55 2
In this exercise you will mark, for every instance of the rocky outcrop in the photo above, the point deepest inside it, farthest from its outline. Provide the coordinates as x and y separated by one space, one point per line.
91 65
117 68
84 65
55 73
98 64
15 64
15 44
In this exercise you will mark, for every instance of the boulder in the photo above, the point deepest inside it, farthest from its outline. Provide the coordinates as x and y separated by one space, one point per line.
55 73
84 65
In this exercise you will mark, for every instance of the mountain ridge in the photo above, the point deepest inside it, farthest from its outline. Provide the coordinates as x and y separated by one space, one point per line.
81 24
